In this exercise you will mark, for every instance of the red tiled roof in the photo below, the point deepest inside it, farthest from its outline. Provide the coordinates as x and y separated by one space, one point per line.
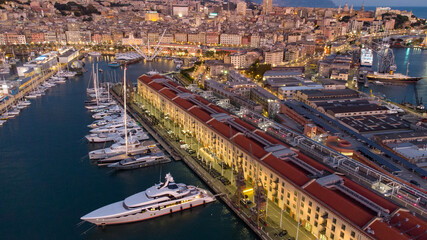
156 86
287 170
183 89
222 128
250 146
370 195
202 100
312 162
244 124
168 93
173 84
218 109
200 114
145 79
351 211
157 76
383 231
301 156
269 138
183 103
410 226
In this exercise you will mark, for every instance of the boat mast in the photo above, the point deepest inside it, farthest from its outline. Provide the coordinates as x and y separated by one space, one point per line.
94 83
407 68
124 115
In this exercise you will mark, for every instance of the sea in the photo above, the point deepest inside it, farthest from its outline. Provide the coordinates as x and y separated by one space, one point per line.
48 182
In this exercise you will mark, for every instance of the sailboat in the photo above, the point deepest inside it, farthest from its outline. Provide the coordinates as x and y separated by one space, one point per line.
125 148
153 157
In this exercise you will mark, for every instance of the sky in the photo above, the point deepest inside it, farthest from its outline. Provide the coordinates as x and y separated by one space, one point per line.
385 3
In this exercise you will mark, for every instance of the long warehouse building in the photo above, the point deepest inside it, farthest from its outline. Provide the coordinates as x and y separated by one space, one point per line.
328 205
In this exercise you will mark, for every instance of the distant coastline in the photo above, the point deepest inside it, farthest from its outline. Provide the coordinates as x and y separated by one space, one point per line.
420 12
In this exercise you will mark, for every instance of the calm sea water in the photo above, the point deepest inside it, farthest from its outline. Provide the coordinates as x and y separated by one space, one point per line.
417 67
48 183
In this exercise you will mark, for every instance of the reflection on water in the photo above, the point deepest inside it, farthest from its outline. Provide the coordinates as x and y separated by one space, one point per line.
417 67
48 182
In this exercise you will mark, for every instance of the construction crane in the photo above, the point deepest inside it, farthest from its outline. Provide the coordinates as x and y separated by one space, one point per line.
146 52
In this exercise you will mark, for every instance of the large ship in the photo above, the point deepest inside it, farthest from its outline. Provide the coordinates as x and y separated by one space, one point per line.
160 199
387 67
392 77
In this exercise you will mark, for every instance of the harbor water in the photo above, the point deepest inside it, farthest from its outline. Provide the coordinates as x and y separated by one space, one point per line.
48 182
417 68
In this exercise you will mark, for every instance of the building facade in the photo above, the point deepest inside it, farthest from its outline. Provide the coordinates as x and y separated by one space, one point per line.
322 202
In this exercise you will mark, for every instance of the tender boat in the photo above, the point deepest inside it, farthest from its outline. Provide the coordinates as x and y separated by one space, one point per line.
135 147
108 137
160 199
140 162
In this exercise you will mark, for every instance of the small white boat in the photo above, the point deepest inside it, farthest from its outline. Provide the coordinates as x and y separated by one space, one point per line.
2 122
119 128
134 147
140 162
95 54
116 137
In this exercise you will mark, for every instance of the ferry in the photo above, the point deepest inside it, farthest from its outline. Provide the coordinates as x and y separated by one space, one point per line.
158 200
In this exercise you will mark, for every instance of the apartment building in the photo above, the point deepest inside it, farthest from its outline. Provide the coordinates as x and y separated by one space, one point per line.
230 39
327 205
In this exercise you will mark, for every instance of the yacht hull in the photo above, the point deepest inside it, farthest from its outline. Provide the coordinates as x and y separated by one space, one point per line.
141 214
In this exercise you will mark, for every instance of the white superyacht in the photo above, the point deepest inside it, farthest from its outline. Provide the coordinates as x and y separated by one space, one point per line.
160 199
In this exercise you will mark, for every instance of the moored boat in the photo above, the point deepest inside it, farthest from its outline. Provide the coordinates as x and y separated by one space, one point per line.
161 199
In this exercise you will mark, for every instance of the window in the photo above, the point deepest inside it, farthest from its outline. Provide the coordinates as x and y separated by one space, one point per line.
283 190
301 212
317 209
343 227
303 198
310 203
309 210
316 216
333 228
341 235
334 221
353 234
315 223
308 218
287 202
289 195
283 184
281 197
302 204
332 236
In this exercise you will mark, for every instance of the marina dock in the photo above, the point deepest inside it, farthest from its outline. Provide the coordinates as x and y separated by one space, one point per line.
22 92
